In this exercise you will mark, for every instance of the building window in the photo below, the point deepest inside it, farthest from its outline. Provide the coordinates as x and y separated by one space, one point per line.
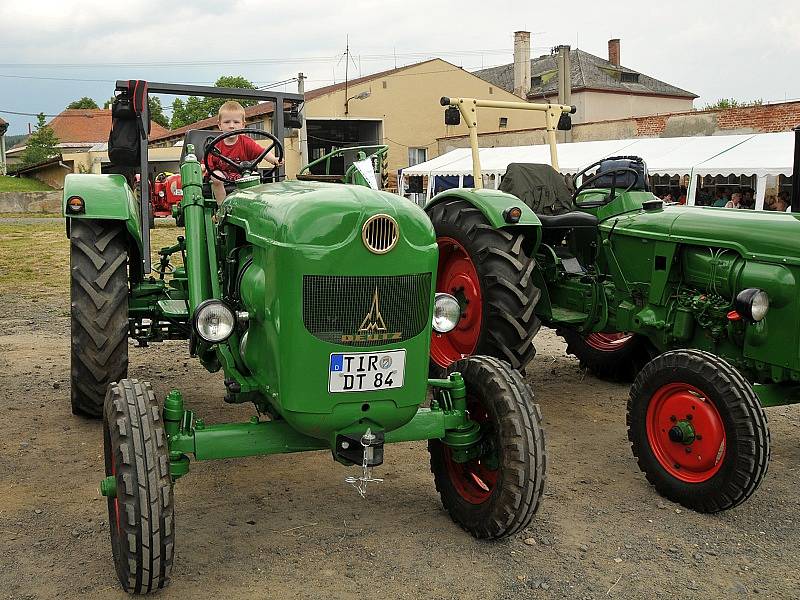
535 81
384 85
503 122
629 77
256 125
417 156
491 90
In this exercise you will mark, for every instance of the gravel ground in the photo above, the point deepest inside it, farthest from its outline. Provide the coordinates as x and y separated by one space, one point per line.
288 525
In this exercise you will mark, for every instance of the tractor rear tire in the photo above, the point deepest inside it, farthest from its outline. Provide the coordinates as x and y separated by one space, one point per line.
610 357
141 516
492 503
99 311
698 430
490 270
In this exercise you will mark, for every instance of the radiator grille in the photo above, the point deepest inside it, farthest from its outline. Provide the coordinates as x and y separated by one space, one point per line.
366 311
380 234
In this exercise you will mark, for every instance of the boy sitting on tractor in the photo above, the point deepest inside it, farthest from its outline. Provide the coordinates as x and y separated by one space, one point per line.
238 148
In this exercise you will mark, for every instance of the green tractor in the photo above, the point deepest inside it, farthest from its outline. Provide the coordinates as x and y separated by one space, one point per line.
698 304
318 303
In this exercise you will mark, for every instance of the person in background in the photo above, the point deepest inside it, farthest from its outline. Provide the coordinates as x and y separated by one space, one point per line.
769 202
748 201
682 195
668 198
735 201
719 198
782 203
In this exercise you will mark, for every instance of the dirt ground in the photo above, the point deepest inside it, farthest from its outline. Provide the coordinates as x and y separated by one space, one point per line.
289 526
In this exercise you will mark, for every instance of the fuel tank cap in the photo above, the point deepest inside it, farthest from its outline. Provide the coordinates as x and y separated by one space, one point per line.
652 205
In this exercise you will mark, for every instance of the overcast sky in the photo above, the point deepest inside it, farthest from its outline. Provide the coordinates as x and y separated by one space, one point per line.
53 52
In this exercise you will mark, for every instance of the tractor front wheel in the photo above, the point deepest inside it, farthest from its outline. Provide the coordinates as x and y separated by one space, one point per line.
490 274
497 493
698 430
99 311
141 513
609 356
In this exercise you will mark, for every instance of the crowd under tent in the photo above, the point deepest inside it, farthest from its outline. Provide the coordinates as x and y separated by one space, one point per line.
761 157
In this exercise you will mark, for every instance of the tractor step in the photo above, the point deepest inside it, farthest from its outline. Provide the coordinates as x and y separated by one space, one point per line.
176 309
565 315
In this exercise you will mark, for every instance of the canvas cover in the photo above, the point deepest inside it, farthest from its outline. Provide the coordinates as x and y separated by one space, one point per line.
539 186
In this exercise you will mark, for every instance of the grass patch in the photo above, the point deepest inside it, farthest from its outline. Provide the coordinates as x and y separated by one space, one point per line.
22 184
34 257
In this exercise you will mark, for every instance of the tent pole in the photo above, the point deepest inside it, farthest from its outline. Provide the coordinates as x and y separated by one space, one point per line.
761 190
691 193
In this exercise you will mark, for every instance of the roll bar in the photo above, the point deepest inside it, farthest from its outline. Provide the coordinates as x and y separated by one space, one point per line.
468 107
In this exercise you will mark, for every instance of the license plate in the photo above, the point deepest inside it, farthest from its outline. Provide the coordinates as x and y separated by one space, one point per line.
367 371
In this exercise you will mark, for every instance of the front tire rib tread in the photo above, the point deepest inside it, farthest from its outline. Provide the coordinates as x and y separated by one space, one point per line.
143 553
751 444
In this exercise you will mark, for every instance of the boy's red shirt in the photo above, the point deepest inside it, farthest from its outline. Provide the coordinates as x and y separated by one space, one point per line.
245 148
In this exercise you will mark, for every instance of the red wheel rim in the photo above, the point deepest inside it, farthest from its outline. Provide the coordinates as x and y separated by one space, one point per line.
457 276
473 480
608 342
682 402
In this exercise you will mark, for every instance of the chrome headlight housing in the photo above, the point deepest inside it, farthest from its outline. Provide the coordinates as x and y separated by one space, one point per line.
446 312
213 321
752 304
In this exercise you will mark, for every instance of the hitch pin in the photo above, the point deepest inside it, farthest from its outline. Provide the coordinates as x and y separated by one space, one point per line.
360 483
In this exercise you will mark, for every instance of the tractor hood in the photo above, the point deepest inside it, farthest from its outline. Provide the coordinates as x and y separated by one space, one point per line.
763 235
325 215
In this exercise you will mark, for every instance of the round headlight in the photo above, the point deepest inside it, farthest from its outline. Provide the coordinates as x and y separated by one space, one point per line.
214 321
752 304
446 312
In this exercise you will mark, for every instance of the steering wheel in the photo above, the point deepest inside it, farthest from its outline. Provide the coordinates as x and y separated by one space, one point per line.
246 165
596 176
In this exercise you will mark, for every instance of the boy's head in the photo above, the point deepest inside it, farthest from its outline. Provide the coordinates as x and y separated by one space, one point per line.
230 116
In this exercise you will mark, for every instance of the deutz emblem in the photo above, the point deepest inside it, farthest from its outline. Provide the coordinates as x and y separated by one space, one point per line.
373 327
373 321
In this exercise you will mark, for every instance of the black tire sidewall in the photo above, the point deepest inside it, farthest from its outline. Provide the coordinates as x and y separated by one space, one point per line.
705 496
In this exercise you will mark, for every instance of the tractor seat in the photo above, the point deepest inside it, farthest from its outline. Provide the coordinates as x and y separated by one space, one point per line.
570 220
198 137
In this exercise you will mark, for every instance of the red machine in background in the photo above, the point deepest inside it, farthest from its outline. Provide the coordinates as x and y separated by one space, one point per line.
165 191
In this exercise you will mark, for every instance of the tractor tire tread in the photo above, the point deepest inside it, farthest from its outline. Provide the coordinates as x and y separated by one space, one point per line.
143 554
99 311
509 294
522 449
730 487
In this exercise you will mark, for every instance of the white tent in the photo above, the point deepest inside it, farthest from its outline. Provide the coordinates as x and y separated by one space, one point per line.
745 154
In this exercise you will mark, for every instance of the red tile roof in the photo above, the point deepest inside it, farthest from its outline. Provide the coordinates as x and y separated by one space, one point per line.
256 110
89 125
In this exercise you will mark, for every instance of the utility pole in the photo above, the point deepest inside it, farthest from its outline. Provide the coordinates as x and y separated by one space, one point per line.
302 134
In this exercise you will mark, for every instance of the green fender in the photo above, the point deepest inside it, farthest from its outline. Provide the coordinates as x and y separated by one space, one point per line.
492 203
105 197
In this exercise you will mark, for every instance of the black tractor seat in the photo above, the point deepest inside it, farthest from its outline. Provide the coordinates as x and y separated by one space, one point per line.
570 220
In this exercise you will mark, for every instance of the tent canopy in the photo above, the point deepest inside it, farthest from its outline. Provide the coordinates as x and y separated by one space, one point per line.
744 154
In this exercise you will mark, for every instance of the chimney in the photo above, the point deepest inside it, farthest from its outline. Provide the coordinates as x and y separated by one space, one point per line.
522 63
613 51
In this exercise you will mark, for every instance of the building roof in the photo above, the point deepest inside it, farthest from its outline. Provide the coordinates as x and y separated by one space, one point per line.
257 110
88 125
587 72
311 94
2 122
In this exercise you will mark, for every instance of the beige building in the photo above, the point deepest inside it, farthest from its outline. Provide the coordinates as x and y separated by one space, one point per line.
399 108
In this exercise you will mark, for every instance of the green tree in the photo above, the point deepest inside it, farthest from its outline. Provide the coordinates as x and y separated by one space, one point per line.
84 102
42 143
157 111
732 103
196 109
